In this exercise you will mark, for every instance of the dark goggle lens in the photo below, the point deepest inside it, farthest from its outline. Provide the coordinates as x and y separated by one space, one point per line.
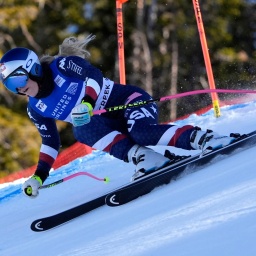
17 79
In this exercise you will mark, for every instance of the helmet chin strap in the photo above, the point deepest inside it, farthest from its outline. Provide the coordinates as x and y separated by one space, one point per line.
21 93
45 83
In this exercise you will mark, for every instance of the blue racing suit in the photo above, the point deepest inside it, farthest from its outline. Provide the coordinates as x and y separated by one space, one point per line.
115 132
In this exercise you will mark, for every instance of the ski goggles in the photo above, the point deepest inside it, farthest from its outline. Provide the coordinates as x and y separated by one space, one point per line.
15 80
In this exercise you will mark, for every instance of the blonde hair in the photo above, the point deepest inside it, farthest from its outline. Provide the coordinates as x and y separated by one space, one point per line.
71 46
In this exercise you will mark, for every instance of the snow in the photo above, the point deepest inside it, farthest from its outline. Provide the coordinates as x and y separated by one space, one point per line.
208 212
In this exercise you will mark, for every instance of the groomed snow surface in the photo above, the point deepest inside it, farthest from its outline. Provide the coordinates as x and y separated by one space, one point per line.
209 212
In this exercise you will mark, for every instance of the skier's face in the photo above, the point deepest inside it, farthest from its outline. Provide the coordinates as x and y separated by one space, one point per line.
30 89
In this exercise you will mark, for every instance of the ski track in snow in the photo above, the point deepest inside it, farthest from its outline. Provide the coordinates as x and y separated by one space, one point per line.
205 213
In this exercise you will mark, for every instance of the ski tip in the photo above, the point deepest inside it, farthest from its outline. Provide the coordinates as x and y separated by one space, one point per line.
112 200
35 226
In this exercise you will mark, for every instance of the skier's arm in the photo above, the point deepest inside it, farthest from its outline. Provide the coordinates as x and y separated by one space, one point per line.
50 142
77 67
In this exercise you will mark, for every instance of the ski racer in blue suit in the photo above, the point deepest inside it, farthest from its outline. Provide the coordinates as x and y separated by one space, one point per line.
67 87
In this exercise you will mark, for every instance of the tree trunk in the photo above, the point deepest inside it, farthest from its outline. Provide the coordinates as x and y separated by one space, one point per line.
174 78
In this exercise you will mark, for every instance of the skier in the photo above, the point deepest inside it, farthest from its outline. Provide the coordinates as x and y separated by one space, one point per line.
67 87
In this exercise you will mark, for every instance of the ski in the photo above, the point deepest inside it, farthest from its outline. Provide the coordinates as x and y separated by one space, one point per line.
61 218
139 187
165 175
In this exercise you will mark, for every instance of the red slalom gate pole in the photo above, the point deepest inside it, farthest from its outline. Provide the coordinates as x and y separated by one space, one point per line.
120 39
207 61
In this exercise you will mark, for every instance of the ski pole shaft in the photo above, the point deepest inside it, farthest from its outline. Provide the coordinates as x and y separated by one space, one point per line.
106 179
170 97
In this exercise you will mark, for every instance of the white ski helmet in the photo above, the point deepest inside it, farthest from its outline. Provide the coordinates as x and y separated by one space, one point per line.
17 65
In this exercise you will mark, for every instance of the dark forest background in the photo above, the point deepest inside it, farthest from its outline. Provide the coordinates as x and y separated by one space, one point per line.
163 55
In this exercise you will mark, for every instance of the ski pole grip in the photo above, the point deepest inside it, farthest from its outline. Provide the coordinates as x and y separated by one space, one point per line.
28 191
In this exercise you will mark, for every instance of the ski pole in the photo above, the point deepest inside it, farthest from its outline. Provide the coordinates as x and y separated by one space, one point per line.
106 179
175 96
